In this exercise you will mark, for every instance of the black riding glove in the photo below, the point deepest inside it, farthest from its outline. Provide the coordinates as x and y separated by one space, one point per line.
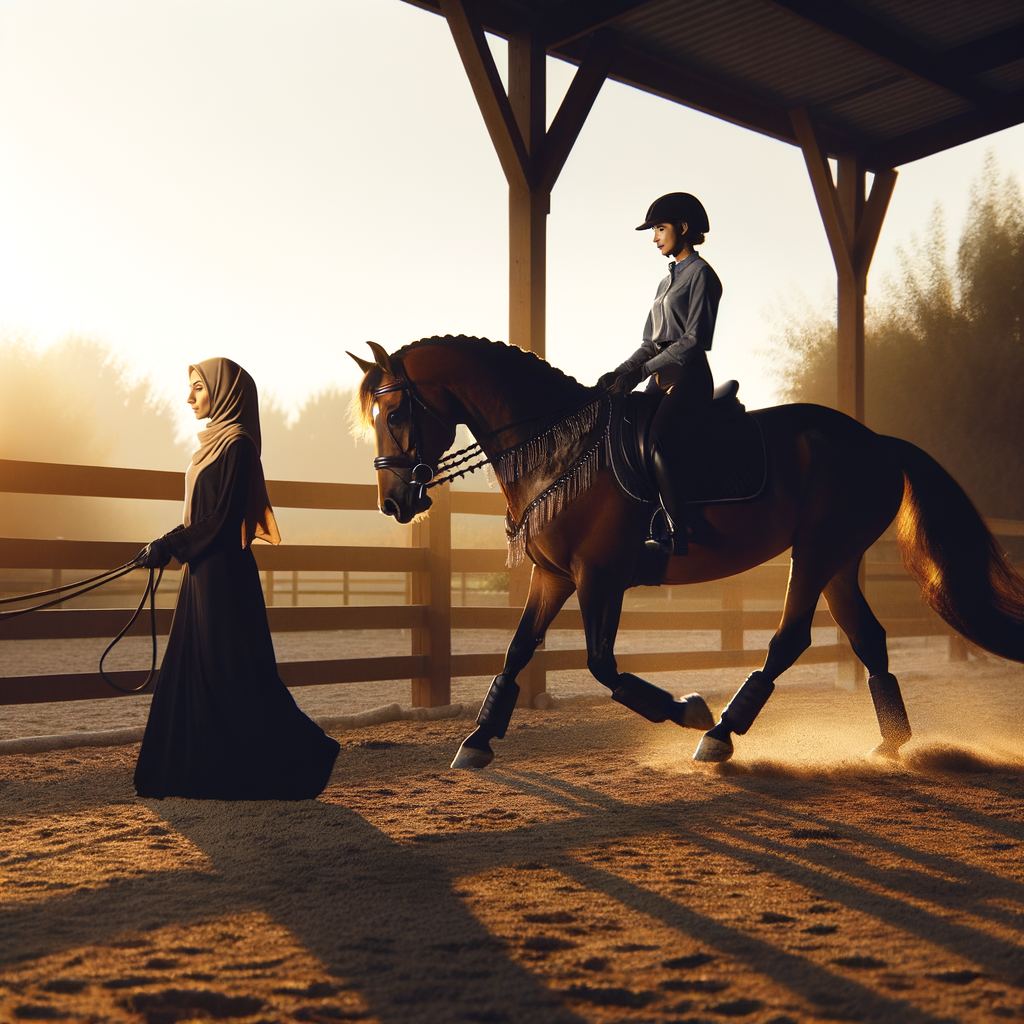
606 380
628 380
154 555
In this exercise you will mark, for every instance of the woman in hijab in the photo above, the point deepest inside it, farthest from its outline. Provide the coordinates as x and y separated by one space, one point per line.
222 725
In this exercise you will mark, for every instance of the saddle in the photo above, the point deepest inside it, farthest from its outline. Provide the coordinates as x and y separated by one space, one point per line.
725 459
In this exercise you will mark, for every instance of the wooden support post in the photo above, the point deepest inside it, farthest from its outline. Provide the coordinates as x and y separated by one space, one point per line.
532 158
434 589
852 223
528 205
270 588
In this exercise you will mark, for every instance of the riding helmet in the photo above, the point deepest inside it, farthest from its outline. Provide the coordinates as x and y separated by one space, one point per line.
677 208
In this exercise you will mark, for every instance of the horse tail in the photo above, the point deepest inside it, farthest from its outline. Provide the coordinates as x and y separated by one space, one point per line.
960 567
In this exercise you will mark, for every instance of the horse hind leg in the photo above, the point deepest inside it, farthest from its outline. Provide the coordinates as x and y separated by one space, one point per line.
791 639
851 611
601 606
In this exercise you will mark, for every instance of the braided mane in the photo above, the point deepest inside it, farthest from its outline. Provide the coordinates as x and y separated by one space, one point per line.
513 361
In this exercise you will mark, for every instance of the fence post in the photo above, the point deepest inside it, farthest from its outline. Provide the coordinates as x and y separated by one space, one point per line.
732 615
434 589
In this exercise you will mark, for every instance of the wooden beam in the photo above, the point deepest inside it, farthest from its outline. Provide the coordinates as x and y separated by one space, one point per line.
875 36
839 236
872 218
490 93
572 19
943 135
991 51
528 205
575 108
20 553
77 623
19 477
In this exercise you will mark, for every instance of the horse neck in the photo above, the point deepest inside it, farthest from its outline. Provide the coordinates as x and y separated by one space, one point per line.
502 401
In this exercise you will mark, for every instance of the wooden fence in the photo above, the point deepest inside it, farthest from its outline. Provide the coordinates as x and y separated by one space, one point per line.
429 564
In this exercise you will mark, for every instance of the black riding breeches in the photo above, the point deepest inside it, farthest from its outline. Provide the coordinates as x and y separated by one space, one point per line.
687 401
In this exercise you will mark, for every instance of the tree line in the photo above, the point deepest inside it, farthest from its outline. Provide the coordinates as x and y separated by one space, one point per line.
944 363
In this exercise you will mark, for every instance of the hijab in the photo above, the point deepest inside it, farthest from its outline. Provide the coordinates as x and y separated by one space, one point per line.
234 413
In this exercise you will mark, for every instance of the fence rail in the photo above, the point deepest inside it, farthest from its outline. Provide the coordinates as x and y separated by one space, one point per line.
429 564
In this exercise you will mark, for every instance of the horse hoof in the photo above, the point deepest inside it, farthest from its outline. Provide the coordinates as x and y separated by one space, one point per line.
696 713
470 757
712 751
887 749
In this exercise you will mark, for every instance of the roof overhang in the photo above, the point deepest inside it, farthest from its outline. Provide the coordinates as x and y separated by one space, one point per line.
889 81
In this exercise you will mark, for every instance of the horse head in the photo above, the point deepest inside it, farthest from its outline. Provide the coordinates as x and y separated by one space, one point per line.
411 434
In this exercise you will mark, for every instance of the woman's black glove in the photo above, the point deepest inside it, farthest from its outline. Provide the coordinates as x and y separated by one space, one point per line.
628 380
606 380
154 555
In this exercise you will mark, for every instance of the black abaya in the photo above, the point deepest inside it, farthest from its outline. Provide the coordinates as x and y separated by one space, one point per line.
222 725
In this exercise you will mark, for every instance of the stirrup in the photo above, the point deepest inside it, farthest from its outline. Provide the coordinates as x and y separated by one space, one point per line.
660 532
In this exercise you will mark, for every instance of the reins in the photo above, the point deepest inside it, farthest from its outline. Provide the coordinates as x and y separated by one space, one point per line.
84 587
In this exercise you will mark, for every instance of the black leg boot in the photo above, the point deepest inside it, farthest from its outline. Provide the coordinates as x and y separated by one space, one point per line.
657 705
673 500
738 717
891 712
492 721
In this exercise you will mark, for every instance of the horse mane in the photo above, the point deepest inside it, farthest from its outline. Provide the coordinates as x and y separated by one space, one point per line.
511 358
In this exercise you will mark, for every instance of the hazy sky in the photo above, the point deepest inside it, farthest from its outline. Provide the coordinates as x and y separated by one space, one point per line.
279 181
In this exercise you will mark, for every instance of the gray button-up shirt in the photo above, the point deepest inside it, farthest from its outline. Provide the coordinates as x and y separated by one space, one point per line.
682 318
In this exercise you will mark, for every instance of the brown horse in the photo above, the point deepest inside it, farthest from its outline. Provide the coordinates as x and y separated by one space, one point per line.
833 488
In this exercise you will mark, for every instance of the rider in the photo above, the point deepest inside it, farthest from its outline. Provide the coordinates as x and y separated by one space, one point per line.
676 339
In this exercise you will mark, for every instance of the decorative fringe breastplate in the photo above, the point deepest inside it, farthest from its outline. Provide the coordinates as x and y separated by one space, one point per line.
557 466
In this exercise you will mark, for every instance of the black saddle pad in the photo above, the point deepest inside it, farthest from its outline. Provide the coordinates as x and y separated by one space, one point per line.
725 460
725 457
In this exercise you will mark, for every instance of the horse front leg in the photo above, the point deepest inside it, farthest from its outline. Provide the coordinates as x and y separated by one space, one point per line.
601 605
547 595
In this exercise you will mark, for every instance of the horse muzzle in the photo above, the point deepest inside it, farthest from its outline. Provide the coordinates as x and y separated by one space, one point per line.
404 508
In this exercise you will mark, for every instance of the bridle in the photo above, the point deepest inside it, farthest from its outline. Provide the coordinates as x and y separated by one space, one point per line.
421 473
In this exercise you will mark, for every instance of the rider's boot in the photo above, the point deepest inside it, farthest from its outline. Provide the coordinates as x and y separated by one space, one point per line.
657 705
673 500
492 721
738 717
892 714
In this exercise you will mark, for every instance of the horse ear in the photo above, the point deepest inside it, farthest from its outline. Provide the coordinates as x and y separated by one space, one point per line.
364 364
383 359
